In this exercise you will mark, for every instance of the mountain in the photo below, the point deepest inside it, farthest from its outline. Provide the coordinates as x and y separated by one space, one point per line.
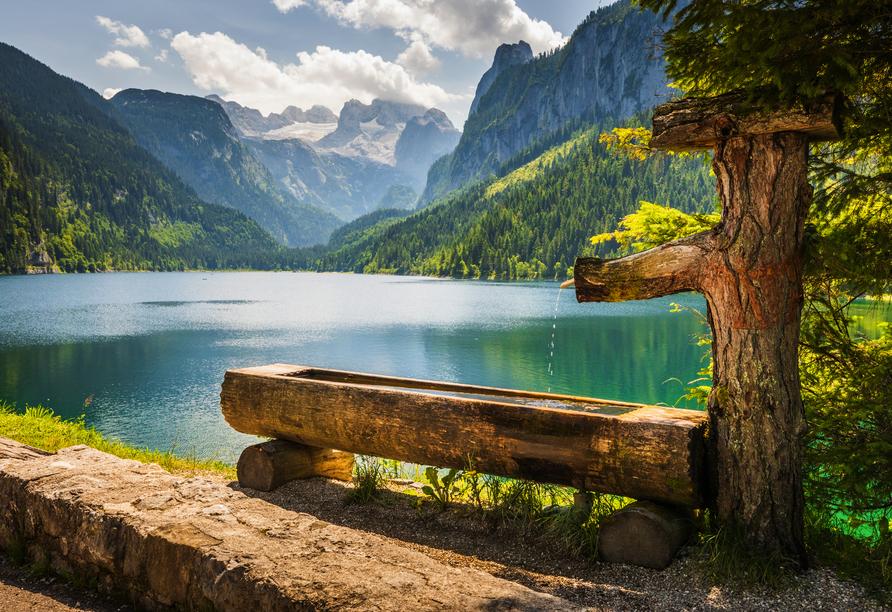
506 55
346 167
195 138
81 195
250 123
604 71
531 223
423 140
371 130
348 186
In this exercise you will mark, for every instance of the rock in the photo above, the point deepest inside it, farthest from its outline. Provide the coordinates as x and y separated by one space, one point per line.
10 449
423 140
388 115
320 114
187 543
506 55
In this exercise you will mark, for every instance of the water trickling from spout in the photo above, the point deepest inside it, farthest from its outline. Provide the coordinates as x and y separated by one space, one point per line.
551 345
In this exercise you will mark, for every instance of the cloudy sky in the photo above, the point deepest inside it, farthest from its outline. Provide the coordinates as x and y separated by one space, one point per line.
269 54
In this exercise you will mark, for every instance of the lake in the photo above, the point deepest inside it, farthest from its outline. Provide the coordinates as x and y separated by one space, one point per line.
151 348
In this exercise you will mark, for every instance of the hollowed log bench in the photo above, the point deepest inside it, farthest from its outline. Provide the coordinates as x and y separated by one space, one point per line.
318 418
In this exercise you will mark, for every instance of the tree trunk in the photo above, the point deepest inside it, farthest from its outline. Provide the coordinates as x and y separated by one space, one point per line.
753 285
750 270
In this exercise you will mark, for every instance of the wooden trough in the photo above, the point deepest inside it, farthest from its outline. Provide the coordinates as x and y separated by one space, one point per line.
644 452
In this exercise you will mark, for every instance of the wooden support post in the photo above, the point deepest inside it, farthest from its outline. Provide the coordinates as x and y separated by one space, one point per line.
269 465
646 534
749 268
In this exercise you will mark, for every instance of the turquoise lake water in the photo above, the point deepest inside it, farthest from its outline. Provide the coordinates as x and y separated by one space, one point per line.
151 349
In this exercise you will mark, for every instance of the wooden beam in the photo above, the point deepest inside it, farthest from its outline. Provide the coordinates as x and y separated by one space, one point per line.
644 452
696 124
671 268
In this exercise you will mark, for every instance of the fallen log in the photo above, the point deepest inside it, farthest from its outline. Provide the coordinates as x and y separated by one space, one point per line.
643 452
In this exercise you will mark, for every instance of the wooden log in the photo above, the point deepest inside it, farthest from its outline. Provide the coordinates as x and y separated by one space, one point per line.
664 270
269 465
644 452
697 124
645 534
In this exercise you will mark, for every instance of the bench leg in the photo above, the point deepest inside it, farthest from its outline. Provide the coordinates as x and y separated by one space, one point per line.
269 465
646 534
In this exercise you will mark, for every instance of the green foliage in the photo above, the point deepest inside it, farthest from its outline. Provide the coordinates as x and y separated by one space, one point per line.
576 527
831 542
365 227
401 197
778 50
369 476
17 548
847 391
440 488
209 157
38 427
652 225
727 557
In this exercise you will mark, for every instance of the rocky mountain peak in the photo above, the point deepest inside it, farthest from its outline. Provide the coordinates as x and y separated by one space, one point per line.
386 115
320 114
506 55
423 140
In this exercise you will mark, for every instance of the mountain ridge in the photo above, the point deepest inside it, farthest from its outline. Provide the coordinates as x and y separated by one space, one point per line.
196 139
603 71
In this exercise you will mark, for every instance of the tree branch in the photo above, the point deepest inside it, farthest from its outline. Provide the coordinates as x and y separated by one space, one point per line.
667 269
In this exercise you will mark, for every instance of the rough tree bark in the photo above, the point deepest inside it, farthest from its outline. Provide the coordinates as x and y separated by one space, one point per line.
752 281
749 268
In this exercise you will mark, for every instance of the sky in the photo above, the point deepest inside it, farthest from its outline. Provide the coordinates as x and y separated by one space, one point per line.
269 54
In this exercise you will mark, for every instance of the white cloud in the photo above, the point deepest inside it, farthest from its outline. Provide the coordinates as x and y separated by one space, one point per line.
326 76
418 59
473 27
111 92
128 36
162 57
287 5
119 59
165 33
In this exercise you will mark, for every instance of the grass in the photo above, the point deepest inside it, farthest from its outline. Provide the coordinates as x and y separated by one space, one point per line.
38 427
548 508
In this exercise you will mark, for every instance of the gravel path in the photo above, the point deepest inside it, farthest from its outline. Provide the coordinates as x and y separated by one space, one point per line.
519 555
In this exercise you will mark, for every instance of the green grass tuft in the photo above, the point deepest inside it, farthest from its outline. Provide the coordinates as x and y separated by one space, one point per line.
39 427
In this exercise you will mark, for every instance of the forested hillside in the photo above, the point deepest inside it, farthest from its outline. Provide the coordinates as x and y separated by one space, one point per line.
77 192
531 223
195 138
